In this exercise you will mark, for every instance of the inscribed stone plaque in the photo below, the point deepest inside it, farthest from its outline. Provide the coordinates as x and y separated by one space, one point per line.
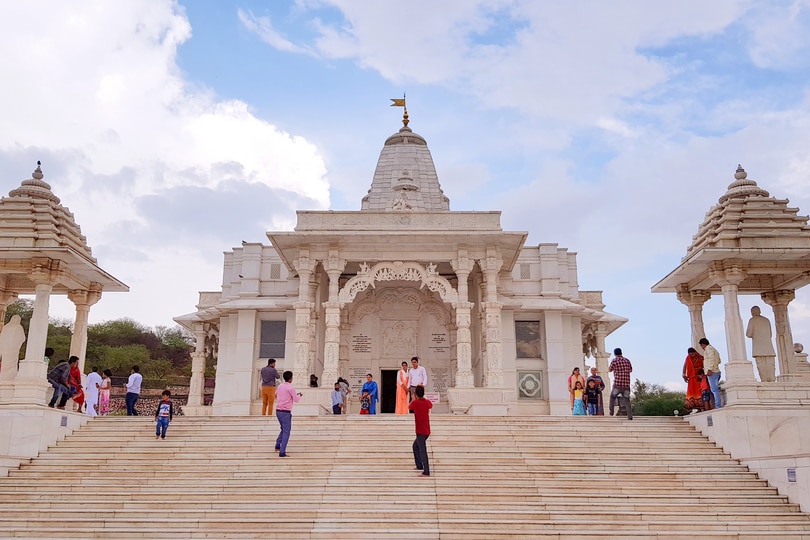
439 380
357 377
438 343
361 344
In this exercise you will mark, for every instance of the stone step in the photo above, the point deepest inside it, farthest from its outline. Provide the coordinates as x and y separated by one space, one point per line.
510 478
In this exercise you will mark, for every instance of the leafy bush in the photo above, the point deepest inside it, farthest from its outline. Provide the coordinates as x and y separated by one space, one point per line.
655 400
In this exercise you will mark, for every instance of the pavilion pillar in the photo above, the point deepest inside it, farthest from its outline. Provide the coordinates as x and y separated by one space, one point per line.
331 346
464 374
729 276
82 299
602 356
303 316
196 385
494 365
694 300
31 385
779 301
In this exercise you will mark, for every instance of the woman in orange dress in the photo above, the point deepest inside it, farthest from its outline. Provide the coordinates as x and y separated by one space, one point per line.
572 382
402 390
693 362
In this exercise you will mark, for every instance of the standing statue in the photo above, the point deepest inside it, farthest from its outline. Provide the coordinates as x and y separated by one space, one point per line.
11 339
759 330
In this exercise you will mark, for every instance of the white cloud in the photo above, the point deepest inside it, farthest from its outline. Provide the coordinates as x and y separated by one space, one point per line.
545 59
95 91
263 27
778 37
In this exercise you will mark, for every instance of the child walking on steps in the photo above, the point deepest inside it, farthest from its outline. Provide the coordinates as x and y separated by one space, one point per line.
163 415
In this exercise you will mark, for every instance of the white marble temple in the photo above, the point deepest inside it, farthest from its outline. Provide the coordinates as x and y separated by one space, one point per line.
353 292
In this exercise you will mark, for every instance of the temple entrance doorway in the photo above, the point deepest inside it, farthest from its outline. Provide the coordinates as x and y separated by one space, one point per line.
388 390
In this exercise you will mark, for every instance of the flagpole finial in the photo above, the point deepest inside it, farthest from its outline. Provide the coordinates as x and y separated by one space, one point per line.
396 102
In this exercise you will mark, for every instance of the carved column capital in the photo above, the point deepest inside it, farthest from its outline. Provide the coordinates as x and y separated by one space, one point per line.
304 264
333 263
463 264
44 271
781 297
726 273
85 297
690 298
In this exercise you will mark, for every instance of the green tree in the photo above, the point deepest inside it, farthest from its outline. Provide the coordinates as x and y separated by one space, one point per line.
655 400
121 359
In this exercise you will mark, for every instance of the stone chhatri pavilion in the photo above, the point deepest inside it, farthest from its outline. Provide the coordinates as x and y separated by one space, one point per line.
749 243
497 324
42 253
752 243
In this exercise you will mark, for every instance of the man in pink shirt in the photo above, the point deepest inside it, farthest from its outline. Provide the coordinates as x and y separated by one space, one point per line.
286 396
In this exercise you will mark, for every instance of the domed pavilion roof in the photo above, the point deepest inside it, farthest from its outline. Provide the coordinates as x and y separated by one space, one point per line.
746 216
753 231
36 231
32 216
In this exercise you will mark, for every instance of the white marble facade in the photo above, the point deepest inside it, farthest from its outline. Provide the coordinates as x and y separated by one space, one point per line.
497 324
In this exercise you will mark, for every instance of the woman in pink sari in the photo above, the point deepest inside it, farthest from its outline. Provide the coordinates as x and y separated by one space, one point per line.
402 390
693 362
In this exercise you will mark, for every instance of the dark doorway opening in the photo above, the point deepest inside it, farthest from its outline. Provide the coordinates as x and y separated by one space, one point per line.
388 391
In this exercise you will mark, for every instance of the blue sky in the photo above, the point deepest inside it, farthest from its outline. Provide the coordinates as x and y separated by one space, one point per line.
174 130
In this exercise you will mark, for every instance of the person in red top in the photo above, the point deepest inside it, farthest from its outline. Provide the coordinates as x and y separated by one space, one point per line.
420 407
75 381
621 369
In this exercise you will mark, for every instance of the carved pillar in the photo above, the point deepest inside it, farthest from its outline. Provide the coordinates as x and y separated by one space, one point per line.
343 364
464 375
694 300
729 276
494 365
197 384
303 316
82 299
31 386
602 356
779 301
331 346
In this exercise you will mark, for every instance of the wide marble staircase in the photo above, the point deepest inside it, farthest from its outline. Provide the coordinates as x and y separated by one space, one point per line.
353 477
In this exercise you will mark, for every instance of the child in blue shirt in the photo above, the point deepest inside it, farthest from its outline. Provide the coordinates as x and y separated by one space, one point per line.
163 415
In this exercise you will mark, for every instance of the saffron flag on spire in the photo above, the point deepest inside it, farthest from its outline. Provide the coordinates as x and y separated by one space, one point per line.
398 102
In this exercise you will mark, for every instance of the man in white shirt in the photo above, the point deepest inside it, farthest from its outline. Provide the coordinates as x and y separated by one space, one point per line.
711 365
91 394
133 390
417 376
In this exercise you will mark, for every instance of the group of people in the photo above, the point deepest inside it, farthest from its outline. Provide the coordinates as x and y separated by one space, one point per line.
408 380
94 396
701 373
286 397
586 395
